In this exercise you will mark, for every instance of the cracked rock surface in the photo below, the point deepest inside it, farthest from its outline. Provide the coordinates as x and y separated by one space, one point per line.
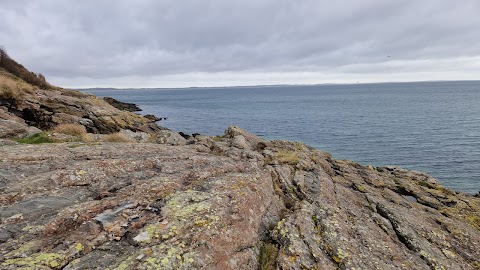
230 202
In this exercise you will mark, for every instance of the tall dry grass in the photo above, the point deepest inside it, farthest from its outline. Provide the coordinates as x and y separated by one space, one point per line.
76 130
71 129
13 88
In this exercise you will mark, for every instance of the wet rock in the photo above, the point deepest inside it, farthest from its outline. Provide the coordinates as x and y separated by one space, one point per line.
124 106
185 136
153 118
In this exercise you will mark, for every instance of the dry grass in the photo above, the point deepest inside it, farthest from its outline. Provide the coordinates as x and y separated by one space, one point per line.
71 129
13 88
117 137
268 256
287 157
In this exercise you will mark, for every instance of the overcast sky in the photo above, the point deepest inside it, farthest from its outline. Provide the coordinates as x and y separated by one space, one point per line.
171 43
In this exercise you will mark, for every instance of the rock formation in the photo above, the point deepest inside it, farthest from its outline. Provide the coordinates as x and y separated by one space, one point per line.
225 203
166 201
124 106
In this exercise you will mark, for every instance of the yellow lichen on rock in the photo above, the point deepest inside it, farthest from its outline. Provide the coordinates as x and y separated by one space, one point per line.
51 260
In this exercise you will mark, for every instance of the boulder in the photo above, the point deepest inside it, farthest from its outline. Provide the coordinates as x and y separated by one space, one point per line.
9 128
169 137
141 137
240 142
251 140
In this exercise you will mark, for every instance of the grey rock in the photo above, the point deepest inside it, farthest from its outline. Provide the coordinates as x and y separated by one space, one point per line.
169 137
140 137
9 128
240 142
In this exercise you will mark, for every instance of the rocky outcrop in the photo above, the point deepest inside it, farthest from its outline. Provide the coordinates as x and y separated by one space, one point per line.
29 105
13 126
229 202
124 106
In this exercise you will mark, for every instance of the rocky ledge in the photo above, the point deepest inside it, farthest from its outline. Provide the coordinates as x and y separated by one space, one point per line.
229 202
129 107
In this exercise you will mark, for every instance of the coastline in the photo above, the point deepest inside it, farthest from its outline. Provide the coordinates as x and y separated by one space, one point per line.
85 185
379 126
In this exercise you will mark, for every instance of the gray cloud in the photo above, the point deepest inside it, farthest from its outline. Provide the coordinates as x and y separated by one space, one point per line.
78 43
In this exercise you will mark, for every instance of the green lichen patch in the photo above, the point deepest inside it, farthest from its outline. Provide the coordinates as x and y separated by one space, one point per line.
25 249
175 257
185 205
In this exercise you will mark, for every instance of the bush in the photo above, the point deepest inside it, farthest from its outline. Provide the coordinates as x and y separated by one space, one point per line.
71 129
117 137
37 139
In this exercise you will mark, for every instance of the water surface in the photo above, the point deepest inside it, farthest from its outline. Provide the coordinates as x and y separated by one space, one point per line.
430 126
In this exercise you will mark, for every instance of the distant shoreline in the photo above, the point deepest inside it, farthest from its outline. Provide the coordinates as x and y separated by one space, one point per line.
270 85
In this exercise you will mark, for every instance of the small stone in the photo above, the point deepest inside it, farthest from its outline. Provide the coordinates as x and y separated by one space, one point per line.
14 218
142 237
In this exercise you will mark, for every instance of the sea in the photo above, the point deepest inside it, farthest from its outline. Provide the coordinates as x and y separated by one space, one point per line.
432 127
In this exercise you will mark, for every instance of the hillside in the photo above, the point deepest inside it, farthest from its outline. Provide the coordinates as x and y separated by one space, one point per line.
28 105
156 200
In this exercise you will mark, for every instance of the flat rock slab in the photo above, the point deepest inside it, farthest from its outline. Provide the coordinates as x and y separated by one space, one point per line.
218 204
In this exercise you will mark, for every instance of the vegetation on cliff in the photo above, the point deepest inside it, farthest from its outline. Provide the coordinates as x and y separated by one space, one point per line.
16 69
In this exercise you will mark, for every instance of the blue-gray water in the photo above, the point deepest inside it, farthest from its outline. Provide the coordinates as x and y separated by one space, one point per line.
430 126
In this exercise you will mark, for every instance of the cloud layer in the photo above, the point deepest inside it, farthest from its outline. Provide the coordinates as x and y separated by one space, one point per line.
150 43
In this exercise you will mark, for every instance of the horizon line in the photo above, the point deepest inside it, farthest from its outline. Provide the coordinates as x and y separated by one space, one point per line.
267 85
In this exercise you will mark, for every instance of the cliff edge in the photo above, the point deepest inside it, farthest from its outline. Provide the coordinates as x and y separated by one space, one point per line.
230 202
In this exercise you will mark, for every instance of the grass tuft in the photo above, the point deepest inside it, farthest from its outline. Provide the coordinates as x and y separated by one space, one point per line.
37 139
71 129
287 157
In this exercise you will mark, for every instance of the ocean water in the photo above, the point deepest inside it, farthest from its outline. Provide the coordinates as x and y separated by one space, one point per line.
429 126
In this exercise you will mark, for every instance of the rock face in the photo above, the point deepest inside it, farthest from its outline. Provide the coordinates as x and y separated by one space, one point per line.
29 105
230 202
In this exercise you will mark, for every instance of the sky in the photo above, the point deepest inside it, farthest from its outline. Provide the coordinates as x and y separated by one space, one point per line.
171 43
